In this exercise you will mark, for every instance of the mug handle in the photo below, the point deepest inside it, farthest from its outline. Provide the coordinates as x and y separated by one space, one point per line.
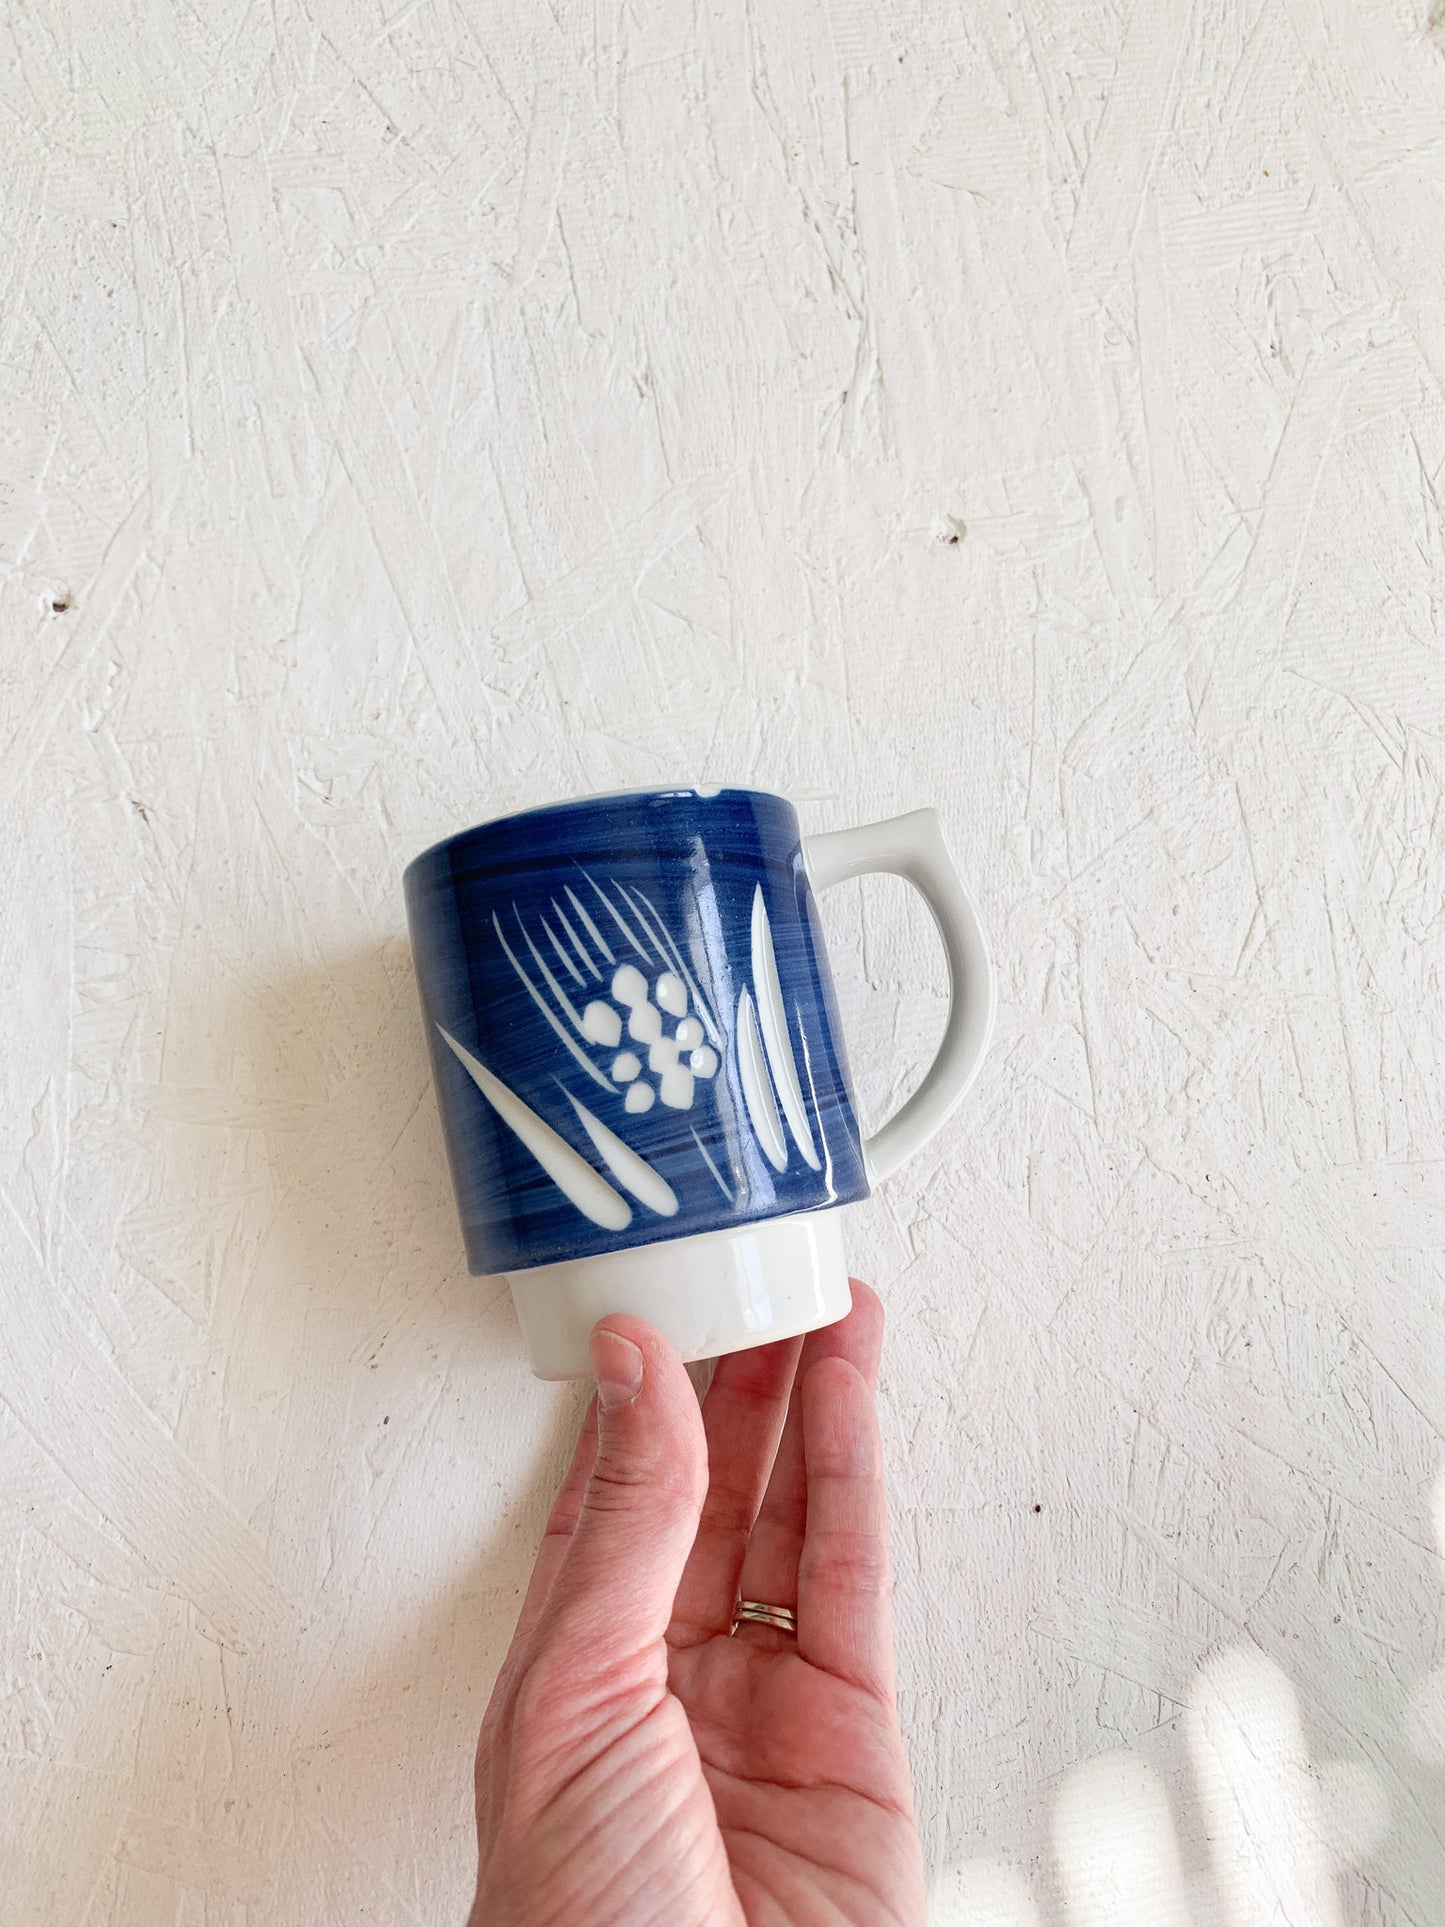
913 847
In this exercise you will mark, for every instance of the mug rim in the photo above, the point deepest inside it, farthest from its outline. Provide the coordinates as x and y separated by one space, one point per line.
701 792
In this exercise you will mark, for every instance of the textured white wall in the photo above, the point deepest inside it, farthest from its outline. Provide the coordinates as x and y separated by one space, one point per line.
414 409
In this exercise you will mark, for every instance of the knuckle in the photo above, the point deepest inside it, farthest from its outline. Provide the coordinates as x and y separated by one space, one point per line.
729 1504
624 1483
856 1560
546 1696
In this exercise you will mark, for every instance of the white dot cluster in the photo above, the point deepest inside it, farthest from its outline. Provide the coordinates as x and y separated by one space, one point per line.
676 1058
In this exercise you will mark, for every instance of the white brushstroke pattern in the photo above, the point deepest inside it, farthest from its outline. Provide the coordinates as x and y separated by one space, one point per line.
629 897
813 1094
574 1016
632 1172
576 942
700 998
701 1002
757 1088
617 917
540 1001
774 1021
588 925
722 1184
562 957
568 1170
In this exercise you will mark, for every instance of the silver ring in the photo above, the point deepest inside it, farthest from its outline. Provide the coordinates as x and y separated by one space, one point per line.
783 1617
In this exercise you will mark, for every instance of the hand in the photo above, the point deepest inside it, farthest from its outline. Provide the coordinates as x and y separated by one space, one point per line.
637 1763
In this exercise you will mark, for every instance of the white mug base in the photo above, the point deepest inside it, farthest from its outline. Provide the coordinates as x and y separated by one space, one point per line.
716 1292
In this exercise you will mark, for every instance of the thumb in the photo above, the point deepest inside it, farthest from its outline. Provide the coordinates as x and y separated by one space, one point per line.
613 1594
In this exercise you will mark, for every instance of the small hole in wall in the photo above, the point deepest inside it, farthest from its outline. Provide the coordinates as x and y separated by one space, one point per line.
1038 1508
60 604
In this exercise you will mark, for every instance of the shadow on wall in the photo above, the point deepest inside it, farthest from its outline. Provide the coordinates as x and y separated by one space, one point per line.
1283 1831
379 1428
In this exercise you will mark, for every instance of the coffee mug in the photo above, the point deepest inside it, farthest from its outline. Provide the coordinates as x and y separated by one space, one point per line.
639 1064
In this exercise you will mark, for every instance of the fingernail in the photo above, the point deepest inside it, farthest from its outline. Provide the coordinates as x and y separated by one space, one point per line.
617 1367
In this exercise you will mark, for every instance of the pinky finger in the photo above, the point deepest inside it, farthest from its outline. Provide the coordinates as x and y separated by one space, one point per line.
845 1618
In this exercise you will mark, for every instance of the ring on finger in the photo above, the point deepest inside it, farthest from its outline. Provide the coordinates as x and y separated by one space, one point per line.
761 1614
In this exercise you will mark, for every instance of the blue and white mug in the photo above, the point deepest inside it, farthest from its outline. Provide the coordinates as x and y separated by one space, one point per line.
639 1064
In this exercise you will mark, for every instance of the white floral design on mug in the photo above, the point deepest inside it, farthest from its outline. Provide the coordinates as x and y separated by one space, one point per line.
656 1028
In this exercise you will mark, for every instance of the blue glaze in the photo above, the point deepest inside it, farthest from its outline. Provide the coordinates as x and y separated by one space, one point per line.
520 928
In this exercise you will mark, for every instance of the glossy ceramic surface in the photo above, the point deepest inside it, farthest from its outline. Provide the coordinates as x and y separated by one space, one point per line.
631 1024
721 1291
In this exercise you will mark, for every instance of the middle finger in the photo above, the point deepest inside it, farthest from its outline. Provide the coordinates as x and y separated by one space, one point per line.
742 1416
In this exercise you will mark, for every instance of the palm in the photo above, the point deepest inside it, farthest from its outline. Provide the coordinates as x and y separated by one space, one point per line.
640 1764
810 1794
